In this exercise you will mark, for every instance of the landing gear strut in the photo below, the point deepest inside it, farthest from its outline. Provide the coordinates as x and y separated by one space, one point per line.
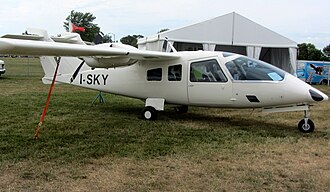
306 125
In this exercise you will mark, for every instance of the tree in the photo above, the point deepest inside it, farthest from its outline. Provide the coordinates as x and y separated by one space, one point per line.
83 20
163 30
307 51
326 51
107 38
131 40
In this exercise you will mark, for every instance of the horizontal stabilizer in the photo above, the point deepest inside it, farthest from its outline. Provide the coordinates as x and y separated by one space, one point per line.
30 34
24 37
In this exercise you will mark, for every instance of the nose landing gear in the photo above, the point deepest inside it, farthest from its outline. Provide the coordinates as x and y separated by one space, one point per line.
306 125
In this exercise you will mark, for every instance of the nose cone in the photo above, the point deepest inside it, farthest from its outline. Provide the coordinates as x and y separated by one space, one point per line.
318 95
303 92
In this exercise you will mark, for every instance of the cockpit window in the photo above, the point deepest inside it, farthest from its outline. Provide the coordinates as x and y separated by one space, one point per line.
244 68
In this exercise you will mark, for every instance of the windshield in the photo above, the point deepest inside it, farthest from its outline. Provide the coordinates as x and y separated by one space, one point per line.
244 68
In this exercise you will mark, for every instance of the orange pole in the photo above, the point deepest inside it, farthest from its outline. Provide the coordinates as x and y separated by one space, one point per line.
48 99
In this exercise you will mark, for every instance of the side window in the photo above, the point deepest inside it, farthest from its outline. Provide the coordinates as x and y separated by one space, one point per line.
206 71
154 74
175 73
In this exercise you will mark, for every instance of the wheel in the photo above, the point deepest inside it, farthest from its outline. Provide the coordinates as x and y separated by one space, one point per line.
309 128
324 82
149 113
182 109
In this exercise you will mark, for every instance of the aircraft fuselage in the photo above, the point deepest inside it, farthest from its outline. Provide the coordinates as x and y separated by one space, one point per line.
154 79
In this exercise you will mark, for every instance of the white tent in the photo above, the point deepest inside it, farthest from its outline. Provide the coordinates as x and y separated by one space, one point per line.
233 33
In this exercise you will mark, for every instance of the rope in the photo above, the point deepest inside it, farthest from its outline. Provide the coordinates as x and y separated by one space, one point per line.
48 99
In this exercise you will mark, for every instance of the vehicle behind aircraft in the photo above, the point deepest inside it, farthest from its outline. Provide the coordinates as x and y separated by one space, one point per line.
2 67
314 72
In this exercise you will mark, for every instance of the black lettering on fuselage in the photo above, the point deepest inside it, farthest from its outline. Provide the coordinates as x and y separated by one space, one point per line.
89 80
93 79
96 79
105 77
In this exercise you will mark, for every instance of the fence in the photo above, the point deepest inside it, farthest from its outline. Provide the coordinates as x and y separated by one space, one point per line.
22 66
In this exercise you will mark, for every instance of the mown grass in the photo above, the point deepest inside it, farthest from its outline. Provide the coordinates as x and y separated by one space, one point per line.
106 147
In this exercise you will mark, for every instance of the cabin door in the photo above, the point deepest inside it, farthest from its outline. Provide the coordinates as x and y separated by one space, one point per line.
207 84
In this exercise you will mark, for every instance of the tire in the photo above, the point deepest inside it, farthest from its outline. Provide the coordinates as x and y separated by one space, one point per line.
306 129
324 82
182 109
149 113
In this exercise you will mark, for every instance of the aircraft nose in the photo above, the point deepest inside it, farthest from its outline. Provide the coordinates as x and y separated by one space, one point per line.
317 96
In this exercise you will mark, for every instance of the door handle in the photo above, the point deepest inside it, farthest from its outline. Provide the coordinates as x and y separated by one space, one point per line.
190 85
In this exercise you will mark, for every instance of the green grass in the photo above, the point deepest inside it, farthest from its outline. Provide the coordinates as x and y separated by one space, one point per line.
106 147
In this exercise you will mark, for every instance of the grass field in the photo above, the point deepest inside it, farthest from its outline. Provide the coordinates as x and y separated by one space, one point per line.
106 147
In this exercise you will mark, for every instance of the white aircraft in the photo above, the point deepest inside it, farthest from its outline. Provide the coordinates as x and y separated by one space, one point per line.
197 78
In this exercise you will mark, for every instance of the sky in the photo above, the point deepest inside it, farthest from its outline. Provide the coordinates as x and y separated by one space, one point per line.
303 21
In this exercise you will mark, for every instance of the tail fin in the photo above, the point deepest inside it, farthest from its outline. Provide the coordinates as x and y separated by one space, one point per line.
68 65
67 68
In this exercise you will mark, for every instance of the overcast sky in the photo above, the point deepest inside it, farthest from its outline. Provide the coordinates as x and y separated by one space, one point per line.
299 20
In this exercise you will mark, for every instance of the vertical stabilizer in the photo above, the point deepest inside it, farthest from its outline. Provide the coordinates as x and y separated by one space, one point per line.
68 66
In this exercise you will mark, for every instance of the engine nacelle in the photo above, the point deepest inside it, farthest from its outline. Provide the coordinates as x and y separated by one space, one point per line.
123 46
109 62
118 46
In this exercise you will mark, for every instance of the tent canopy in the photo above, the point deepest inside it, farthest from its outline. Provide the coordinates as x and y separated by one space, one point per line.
231 32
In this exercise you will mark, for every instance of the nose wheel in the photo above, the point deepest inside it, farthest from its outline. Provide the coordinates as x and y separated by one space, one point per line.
306 125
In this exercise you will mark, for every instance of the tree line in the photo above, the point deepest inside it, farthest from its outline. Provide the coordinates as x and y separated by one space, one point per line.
308 51
93 33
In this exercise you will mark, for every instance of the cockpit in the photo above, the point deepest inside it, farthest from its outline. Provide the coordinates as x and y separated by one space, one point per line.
244 68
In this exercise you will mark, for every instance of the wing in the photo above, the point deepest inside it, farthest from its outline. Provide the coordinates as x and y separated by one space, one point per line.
102 51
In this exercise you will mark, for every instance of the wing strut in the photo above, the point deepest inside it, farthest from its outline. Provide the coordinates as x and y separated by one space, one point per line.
57 59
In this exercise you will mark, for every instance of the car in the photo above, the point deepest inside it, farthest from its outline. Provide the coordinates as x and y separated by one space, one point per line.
2 67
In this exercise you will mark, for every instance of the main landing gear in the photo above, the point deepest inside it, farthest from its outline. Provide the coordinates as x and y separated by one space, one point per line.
306 125
153 105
